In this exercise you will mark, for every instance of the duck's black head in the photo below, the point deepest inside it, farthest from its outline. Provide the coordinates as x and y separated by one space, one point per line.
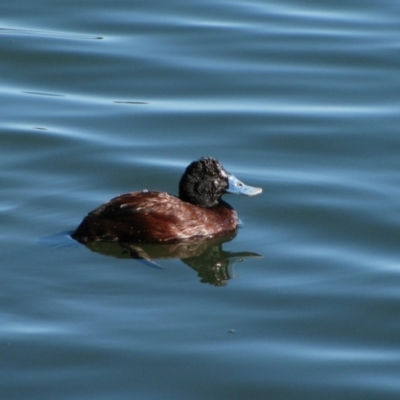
206 180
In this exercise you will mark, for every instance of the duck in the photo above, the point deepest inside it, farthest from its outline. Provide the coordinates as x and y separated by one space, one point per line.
150 216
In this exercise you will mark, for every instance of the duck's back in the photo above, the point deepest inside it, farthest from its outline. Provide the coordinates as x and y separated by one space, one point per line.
151 217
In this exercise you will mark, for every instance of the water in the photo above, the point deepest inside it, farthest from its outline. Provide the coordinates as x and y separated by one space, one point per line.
298 97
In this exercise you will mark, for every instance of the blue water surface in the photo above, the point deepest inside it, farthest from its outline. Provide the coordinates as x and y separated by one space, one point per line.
298 97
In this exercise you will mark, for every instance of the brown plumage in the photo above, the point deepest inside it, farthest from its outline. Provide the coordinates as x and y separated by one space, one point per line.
151 216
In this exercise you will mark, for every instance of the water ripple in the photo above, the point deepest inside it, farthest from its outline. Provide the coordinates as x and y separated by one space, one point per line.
46 34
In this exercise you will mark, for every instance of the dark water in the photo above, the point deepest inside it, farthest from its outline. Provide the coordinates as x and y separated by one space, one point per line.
300 98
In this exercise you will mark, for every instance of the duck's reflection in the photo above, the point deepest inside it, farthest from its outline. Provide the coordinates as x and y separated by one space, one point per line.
207 257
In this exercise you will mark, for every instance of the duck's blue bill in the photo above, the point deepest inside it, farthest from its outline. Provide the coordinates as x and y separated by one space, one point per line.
238 187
